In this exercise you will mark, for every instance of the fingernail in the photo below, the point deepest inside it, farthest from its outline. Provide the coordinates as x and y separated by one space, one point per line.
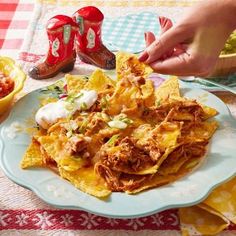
143 57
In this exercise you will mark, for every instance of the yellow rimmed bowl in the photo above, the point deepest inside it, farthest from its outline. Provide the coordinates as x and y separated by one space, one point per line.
226 65
9 68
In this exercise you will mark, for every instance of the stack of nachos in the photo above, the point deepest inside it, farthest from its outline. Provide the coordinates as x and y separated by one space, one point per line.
131 137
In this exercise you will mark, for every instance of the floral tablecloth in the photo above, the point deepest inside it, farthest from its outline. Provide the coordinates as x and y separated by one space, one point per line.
22 36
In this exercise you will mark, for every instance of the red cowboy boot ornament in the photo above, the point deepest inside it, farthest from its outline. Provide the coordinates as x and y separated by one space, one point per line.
65 34
89 46
61 54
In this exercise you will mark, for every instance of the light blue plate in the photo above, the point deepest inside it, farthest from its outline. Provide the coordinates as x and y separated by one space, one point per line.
192 189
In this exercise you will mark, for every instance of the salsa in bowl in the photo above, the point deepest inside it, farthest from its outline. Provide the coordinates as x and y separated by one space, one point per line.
11 82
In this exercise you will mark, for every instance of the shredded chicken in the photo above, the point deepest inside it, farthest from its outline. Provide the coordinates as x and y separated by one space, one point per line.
181 155
95 123
176 110
76 145
127 158
120 182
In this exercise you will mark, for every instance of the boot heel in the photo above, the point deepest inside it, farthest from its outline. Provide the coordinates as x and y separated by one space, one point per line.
68 68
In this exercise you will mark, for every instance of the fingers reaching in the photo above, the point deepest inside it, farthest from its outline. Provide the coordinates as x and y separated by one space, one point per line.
167 55
165 24
166 43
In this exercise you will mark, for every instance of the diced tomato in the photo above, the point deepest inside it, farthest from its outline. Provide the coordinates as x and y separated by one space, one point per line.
63 96
65 87
6 85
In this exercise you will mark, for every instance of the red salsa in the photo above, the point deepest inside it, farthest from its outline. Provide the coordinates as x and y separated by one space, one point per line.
6 85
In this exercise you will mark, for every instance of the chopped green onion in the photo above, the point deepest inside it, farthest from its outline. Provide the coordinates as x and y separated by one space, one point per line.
71 98
104 102
78 95
127 121
83 106
83 126
113 139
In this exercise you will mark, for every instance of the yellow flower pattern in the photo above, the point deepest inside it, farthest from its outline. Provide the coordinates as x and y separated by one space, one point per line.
212 215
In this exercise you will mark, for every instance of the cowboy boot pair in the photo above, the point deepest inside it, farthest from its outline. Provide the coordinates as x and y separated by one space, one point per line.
68 36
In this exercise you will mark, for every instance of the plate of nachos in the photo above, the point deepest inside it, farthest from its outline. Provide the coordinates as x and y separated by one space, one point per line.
120 146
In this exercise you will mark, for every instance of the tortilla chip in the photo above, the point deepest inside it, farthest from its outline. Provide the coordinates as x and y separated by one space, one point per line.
178 160
147 91
127 64
75 83
170 88
154 169
122 99
166 135
173 167
55 129
87 181
181 168
54 148
155 181
200 132
208 112
132 89
32 156
99 81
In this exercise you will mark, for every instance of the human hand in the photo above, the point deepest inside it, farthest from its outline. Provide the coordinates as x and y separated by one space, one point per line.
192 46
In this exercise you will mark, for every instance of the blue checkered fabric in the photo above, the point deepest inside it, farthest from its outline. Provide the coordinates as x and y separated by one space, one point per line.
127 33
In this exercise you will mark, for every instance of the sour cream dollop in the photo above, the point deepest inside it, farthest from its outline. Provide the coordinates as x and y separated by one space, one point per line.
50 113
88 97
